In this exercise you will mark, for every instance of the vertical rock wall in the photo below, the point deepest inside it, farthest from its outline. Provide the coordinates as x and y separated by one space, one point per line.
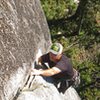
23 31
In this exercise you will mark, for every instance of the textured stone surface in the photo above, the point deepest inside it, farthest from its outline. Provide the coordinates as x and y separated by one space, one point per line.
24 35
23 31
42 90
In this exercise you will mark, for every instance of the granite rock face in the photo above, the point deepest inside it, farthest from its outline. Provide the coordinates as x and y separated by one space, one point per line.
23 32
43 90
24 36
40 90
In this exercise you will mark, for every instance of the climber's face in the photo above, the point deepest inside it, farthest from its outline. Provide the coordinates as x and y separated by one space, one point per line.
54 57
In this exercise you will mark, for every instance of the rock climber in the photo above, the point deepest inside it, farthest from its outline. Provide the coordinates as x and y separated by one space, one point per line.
60 68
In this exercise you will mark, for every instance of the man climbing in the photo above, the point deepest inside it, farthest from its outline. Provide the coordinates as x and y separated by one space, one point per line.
60 67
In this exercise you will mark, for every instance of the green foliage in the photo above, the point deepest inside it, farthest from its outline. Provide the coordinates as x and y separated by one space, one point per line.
91 16
81 33
79 28
55 9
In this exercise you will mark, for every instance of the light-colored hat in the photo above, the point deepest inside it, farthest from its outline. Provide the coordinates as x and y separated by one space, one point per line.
56 48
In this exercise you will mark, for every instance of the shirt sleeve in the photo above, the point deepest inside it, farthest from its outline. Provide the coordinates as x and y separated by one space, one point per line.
61 65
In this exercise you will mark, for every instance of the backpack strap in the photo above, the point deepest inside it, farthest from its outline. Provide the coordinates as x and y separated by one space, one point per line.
76 74
76 78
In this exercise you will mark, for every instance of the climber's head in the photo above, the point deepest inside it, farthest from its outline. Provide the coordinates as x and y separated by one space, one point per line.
56 51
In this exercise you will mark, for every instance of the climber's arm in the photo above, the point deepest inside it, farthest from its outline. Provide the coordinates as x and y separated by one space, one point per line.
39 62
47 72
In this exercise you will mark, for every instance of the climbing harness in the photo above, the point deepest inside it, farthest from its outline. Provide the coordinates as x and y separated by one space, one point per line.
64 83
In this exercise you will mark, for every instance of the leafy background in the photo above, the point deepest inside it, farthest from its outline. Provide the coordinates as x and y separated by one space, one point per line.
76 25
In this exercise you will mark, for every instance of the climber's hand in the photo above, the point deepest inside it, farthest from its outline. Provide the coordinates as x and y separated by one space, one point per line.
38 61
35 72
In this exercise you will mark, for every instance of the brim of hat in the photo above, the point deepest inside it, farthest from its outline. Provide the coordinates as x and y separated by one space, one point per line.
54 52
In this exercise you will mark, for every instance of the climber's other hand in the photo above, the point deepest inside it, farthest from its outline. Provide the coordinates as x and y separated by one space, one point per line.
35 72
